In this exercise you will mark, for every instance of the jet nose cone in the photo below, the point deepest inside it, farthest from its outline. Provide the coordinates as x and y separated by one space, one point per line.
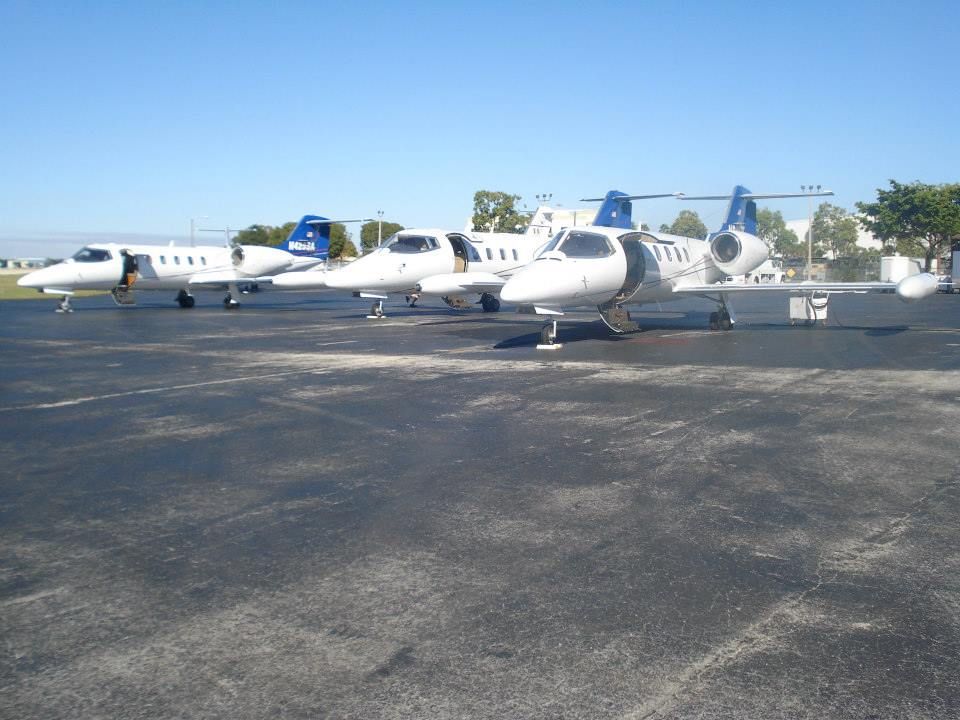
520 290
32 280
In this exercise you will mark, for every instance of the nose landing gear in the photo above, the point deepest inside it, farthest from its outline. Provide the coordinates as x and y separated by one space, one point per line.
376 310
548 337
64 305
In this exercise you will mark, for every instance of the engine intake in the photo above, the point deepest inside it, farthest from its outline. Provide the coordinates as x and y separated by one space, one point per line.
737 253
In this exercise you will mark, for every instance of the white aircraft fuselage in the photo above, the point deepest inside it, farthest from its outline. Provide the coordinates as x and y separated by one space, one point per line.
427 261
156 267
609 268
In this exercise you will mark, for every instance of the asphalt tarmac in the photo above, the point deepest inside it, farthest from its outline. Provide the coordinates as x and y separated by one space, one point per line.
291 511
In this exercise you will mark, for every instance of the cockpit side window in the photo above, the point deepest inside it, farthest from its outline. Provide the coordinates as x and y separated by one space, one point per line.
412 244
89 255
552 245
586 245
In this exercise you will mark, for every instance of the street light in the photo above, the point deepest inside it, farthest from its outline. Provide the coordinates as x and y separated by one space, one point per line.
379 227
809 189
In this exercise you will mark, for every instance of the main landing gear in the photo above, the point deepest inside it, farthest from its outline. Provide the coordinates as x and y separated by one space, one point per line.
489 303
548 337
229 303
376 310
185 299
723 318
412 299
64 305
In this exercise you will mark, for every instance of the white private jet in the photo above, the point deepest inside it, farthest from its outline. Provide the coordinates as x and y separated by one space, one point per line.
448 265
427 261
120 268
610 267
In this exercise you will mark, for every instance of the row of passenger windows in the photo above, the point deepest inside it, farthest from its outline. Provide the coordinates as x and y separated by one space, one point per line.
503 254
176 260
666 251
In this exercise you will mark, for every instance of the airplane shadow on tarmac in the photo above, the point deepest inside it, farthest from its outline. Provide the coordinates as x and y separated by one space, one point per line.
585 331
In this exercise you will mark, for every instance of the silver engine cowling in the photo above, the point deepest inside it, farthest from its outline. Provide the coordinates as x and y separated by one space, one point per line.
737 253
255 260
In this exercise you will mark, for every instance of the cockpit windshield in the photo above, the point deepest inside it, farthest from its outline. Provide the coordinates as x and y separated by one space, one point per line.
580 244
90 255
411 244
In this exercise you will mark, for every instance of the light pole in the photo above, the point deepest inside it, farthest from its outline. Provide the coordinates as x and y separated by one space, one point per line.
379 227
193 228
809 189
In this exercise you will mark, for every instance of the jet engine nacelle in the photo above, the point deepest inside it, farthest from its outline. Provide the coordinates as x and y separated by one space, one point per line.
254 260
737 253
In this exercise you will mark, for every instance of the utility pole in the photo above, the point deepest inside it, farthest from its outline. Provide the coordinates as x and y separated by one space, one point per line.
193 229
809 189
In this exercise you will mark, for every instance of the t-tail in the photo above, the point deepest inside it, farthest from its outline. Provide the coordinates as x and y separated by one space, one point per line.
617 208
310 238
742 210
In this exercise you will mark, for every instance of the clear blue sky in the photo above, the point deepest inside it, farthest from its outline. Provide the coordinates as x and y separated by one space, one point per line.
133 117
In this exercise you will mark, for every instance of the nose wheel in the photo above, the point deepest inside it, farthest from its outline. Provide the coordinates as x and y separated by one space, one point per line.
64 305
229 303
376 310
548 337
412 299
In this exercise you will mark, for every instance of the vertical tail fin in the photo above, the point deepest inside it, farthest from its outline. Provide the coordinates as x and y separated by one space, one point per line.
617 208
310 237
742 212
616 211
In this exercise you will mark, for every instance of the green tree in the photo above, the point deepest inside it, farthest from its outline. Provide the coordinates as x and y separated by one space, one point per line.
370 230
835 231
921 219
773 230
340 243
496 212
688 224
254 235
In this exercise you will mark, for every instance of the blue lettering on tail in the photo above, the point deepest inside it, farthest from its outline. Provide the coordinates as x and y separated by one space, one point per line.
310 238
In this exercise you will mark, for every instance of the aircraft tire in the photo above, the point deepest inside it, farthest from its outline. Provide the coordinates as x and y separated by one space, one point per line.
714 321
725 322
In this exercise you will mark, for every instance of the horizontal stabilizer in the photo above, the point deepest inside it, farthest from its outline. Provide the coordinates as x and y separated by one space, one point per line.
324 221
756 196
622 198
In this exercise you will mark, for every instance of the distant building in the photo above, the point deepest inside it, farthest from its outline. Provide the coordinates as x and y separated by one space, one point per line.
548 221
23 263
865 240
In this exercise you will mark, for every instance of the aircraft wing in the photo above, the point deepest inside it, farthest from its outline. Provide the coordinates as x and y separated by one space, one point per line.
221 278
458 283
914 287
851 287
